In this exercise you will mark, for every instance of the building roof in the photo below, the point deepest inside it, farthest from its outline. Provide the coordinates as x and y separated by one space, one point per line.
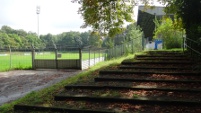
146 17
156 10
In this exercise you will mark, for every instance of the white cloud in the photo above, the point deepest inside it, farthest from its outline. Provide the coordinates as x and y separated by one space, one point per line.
56 16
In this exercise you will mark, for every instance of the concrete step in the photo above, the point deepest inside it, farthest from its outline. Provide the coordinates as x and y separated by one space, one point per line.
164 62
106 79
161 58
107 72
136 100
31 108
101 87
157 68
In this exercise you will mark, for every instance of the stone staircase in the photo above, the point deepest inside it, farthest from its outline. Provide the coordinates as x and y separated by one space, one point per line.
158 82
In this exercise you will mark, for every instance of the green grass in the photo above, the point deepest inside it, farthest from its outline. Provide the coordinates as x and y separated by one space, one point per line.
23 60
170 50
163 50
45 96
68 55
17 61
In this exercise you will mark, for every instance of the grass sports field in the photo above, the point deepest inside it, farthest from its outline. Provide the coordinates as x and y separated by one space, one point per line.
23 60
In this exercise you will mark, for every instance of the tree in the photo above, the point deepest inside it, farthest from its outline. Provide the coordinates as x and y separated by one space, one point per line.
108 42
190 13
69 39
48 39
7 29
78 41
15 40
95 40
172 37
132 32
21 33
4 39
108 16
85 38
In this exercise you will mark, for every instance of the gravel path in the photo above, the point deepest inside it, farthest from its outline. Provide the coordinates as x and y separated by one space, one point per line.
17 83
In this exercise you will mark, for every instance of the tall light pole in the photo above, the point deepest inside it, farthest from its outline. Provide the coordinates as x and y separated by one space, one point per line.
38 12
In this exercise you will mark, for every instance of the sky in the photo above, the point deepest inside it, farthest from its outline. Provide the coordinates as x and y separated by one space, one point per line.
56 16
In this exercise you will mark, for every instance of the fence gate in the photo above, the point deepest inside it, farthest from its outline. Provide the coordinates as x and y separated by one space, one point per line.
57 58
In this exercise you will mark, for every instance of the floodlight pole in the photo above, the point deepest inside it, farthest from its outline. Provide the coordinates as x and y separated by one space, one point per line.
38 12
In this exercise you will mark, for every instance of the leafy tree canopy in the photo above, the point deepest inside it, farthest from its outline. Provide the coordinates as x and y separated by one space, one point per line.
190 13
108 16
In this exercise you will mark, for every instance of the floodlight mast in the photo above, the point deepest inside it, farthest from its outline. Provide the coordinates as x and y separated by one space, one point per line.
38 12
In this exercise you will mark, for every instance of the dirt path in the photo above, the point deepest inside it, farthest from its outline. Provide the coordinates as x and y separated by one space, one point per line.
15 84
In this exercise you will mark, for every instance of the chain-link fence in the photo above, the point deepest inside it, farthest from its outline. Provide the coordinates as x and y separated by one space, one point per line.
57 57
124 49
91 56
11 58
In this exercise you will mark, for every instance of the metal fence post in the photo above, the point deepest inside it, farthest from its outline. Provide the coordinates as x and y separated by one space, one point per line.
123 50
94 57
80 57
106 55
56 57
143 42
191 49
183 40
132 46
183 43
99 55
115 54
10 57
89 56
33 57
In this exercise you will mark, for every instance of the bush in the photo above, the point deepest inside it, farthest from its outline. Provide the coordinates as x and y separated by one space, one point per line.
174 41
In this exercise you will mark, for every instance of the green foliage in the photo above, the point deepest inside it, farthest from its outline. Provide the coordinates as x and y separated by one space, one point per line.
108 42
18 38
165 30
106 16
174 41
189 12
123 44
132 32
95 40
109 16
85 38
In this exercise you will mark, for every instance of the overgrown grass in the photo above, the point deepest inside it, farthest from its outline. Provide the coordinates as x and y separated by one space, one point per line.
171 50
178 50
45 96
